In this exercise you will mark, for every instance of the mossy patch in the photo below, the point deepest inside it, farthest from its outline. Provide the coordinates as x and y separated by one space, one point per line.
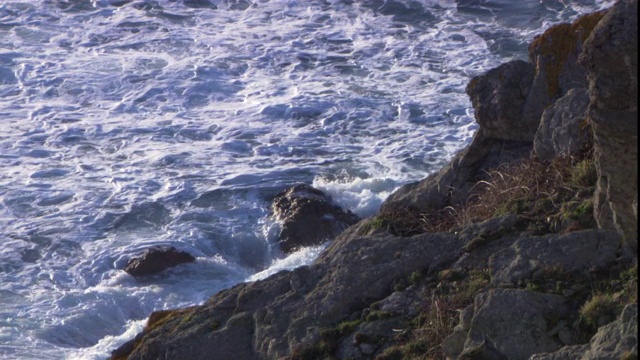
600 310
327 345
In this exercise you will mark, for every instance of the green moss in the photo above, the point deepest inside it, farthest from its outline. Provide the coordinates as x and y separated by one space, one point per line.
515 206
392 353
377 315
584 173
328 343
600 310
374 224
581 212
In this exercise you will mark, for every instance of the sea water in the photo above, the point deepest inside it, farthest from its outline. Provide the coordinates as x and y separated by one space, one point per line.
128 124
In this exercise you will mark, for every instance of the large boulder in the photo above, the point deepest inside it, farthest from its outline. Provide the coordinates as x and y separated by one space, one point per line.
563 129
157 259
611 58
308 217
498 97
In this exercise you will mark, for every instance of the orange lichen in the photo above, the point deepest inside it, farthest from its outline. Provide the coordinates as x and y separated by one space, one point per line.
559 42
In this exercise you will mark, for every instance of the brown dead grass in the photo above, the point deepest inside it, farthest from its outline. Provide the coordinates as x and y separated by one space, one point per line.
548 197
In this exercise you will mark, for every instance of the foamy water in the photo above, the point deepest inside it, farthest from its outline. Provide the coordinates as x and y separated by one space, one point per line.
128 124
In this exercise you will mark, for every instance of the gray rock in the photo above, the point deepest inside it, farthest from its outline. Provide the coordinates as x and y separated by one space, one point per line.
308 217
611 58
573 252
453 345
555 56
157 259
612 341
271 318
563 129
494 333
407 303
498 97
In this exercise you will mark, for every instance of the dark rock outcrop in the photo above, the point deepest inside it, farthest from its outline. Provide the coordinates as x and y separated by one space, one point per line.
555 56
498 98
611 58
308 217
157 259
271 318
509 102
563 127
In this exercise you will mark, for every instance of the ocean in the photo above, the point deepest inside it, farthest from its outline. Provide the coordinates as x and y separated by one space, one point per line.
128 124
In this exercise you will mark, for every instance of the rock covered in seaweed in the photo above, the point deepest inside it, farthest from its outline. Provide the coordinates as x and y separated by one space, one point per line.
308 217
157 259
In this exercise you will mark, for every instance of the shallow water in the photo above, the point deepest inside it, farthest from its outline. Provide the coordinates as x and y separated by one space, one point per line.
127 124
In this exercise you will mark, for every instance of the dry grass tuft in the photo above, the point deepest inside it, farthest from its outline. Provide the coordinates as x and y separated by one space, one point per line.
550 197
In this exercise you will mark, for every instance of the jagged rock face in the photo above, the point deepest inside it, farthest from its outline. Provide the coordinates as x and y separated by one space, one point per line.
270 318
555 56
617 340
157 259
308 217
611 57
498 97
563 129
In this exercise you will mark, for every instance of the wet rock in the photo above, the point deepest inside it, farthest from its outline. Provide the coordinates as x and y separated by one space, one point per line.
157 259
308 217
617 340
611 58
563 128
573 252
493 333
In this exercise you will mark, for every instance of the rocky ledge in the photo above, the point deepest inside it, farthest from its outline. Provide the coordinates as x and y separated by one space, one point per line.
522 247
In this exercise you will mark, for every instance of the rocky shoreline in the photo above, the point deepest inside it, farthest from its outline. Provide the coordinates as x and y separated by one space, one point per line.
522 247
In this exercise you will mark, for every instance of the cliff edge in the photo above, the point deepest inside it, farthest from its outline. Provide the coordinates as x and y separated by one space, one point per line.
522 247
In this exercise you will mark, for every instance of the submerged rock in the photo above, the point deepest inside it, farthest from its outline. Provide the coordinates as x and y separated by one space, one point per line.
308 217
157 259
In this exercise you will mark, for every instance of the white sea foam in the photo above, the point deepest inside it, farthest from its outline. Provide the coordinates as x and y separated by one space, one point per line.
155 123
